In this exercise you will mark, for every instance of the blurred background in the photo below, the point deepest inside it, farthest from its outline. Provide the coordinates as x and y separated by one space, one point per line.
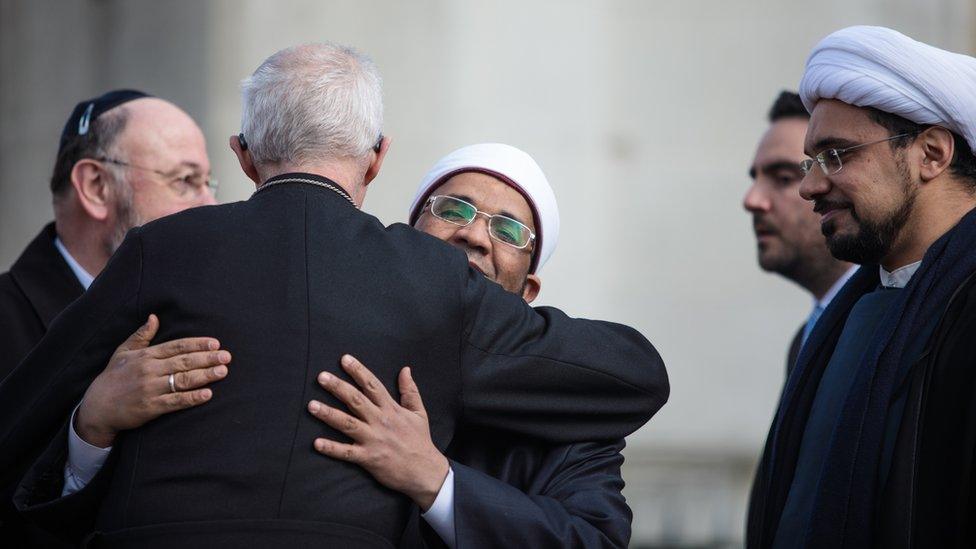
644 115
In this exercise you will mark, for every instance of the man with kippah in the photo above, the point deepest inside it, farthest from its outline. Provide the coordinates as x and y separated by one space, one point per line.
124 158
873 441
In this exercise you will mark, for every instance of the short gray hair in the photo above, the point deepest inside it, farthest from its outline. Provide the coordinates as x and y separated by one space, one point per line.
312 102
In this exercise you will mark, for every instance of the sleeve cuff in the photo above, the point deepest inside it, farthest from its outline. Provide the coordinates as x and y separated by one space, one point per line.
84 460
440 516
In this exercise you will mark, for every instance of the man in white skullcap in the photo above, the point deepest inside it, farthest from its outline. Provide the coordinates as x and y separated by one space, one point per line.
493 202
873 443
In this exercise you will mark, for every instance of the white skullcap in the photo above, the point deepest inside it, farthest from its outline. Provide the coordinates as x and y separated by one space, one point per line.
881 68
512 167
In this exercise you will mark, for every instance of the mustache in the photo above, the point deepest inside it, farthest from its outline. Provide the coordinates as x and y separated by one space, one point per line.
760 225
822 205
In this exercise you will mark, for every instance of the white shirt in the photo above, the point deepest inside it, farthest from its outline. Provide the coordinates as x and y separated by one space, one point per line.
83 276
899 277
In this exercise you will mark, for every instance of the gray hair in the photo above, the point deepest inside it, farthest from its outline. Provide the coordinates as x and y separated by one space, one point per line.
312 102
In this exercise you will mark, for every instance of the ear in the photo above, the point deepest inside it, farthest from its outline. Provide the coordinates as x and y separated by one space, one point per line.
531 289
938 148
244 157
374 167
91 184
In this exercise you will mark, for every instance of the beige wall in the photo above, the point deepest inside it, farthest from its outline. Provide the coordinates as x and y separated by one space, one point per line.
643 114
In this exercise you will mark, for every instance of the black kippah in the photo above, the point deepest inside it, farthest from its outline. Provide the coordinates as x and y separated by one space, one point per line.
87 111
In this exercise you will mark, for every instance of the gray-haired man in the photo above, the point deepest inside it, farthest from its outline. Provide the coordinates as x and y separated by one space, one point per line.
289 281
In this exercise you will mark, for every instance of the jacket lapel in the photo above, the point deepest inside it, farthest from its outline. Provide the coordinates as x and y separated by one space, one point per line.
45 278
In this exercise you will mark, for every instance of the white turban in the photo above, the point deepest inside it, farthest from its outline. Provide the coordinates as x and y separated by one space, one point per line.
512 167
881 68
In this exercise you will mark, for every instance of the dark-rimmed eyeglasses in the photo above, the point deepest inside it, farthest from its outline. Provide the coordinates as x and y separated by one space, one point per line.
501 228
186 186
830 159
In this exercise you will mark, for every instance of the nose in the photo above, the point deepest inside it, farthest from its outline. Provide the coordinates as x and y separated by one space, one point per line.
475 235
208 198
756 200
815 183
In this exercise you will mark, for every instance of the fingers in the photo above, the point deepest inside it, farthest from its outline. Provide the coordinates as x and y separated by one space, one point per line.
337 419
357 402
183 346
193 379
368 382
141 337
192 361
171 402
338 450
409 393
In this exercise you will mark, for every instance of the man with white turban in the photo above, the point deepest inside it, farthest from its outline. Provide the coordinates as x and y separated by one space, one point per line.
873 442
490 489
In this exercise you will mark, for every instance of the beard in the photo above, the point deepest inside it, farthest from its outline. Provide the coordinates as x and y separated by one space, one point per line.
126 216
873 239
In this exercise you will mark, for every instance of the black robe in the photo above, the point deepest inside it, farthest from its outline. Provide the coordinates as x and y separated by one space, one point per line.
929 498
288 281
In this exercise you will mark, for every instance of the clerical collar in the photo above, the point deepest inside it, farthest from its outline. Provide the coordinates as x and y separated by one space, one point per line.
306 179
80 272
899 277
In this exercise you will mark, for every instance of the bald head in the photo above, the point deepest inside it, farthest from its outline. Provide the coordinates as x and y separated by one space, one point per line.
136 162
160 135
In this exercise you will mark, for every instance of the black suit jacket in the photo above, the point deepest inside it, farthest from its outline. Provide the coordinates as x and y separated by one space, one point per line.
39 285
514 492
288 281
795 345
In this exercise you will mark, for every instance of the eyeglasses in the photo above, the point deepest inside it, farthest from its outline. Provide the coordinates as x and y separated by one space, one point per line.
503 229
186 186
830 161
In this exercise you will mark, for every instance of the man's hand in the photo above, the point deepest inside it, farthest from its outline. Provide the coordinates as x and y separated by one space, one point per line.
134 388
390 440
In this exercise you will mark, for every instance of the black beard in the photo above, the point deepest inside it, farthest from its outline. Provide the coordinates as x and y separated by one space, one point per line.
872 241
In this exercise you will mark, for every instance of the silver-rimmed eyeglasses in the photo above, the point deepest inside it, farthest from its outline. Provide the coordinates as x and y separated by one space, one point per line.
830 159
186 186
501 228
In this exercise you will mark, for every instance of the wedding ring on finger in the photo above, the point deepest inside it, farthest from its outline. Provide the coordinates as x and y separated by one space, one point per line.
172 383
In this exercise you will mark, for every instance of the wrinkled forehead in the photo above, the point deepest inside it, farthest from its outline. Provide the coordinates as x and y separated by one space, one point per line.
157 129
489 194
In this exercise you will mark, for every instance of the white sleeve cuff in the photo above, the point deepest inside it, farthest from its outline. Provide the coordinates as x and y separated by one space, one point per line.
440 516
84 460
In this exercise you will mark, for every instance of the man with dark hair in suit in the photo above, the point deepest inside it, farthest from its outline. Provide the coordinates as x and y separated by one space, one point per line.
124 158
788 237
291 280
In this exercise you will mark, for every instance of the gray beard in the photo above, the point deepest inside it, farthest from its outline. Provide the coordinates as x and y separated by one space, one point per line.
126 218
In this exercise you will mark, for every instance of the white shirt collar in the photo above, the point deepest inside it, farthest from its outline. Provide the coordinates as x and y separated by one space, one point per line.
835 289
899 277
80 272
